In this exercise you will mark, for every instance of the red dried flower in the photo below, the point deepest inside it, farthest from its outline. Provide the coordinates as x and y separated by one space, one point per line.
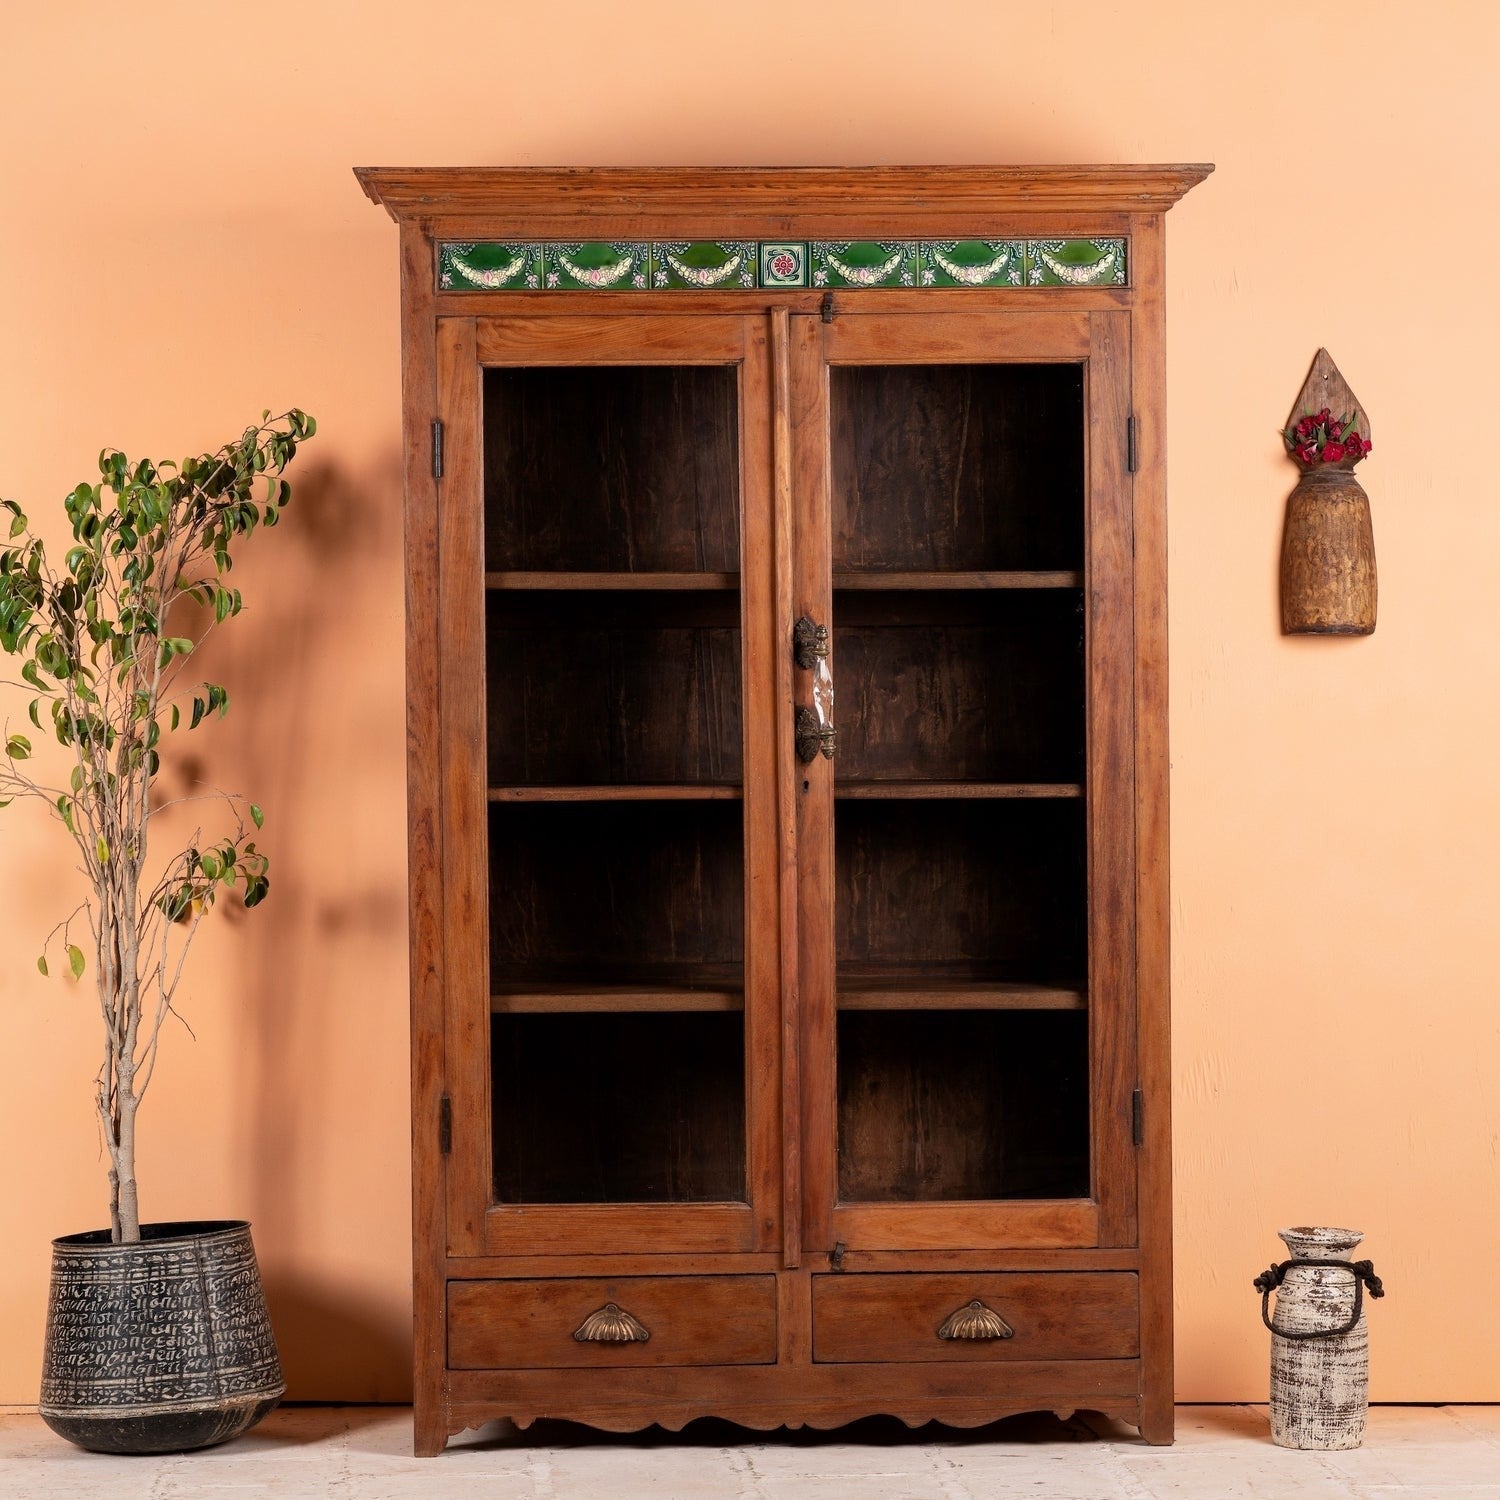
1333 453
1306 427
1307 453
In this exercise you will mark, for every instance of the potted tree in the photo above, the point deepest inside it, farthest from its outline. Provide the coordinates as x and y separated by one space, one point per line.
157 1334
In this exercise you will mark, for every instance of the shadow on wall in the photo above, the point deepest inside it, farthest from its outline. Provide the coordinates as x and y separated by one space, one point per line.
318 974
336 1347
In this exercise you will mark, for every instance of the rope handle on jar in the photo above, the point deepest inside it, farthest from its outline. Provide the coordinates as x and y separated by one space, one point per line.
1364 1276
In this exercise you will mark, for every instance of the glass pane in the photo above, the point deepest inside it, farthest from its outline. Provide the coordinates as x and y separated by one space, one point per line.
617 887
960 827
625 468
978 685
957 466
633 1108
962 1105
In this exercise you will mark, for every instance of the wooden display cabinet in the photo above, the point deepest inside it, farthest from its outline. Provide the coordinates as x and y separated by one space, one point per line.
789 1003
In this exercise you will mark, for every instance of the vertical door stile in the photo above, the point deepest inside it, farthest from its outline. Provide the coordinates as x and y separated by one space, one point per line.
764 1046
786 791
812 595
465 844
1111 775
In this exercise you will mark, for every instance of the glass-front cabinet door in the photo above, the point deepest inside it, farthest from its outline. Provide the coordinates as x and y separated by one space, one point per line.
964 834
606 612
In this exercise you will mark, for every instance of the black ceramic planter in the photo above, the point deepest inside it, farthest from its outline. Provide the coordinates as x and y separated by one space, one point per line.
161 1346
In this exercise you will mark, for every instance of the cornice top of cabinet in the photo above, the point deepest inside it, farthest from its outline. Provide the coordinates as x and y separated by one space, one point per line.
777 193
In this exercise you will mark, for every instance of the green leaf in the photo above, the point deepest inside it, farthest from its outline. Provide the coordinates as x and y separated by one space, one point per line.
65 809
18 524
75 960
102 850
41 964
257 816
18 747
209 865
176 716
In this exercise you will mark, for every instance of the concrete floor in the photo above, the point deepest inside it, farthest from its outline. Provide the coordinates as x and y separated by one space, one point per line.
362 1453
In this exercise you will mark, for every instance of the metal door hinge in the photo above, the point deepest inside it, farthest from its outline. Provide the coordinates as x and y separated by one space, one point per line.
1131 455
1137 1118
445 1125
828 307
437 450
836 1260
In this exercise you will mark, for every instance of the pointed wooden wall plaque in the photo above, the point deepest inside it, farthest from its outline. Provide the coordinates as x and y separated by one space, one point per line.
1326 386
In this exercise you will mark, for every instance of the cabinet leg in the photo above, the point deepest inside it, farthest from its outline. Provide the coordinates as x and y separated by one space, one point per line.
429 1428
1157 1418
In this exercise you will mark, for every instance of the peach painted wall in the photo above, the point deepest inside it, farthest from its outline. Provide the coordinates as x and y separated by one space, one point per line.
182 243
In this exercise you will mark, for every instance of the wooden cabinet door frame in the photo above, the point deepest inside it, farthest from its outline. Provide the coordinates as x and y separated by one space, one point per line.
1100 342
476 1225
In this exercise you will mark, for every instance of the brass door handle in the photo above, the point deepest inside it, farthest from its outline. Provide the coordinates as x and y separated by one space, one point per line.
814 739
611 1325
814 731
975 1321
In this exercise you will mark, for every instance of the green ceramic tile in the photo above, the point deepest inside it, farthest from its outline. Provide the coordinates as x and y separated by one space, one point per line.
1075 262
864 263
703 264
489 267
971 262
783 263
597 266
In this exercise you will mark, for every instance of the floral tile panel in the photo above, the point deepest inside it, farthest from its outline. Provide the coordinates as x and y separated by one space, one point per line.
489 267
972 262
704 264
596 266
1075 262
783 263
861 264
730 265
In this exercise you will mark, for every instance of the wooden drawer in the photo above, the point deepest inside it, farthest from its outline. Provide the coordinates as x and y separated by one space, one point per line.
691 1320
1054 1315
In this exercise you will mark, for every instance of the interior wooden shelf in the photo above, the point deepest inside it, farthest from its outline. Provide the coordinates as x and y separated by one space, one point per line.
908 790
610 998
642 581
706 792
946 579
956 994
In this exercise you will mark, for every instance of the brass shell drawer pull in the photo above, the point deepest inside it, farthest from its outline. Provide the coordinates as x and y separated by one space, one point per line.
975 1321
611 1325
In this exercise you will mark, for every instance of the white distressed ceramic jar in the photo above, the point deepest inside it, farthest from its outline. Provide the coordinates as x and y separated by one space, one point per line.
1320 1381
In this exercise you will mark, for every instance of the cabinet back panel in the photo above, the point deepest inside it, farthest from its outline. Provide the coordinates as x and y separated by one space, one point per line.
601 892
957 466
962 1105
612 468
641 689
983 688
996 885
633 1108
